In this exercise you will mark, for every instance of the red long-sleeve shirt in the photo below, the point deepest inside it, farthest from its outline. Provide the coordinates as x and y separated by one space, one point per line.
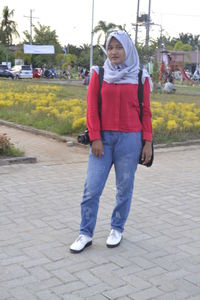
120 109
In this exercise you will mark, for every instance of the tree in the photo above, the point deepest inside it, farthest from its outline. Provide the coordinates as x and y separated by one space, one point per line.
104 29
155 74
180 46
43 35
63 60
84 58
145 53
188 38
74 50
8 29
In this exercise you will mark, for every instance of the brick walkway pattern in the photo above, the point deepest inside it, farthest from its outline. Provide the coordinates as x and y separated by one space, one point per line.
158 259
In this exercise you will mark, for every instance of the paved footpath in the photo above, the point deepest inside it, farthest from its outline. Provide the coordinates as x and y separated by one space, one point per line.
159 257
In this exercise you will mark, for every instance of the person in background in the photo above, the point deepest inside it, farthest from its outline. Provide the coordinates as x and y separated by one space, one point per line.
116 137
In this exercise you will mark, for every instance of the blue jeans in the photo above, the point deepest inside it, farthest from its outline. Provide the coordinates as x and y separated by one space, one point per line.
121 149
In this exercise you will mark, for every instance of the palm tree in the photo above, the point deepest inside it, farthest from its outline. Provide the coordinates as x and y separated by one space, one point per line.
104 29
8 29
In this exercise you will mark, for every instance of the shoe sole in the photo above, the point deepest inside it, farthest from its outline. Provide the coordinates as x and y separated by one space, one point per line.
114 246
78 251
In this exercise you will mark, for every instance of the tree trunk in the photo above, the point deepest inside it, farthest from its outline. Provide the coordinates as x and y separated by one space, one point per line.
7 56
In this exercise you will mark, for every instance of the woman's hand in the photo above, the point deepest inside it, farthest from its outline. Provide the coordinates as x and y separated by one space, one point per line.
97 148
146 152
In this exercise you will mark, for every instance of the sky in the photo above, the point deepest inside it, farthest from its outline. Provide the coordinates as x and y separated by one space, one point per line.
72 19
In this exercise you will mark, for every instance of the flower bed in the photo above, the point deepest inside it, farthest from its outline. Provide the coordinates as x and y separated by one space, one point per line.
45 107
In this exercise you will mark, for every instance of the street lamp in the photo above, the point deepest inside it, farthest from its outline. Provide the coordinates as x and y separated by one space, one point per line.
92 34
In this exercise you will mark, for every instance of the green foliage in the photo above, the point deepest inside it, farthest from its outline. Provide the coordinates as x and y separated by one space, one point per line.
84 58
180 46
43 35
192 40
74 50
5 52
8 27
144 53
103 29
155 74
66 59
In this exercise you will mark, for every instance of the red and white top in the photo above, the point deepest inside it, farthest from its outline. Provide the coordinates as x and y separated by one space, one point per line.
120 108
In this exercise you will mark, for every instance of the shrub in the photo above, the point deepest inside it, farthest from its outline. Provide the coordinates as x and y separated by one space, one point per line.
7 148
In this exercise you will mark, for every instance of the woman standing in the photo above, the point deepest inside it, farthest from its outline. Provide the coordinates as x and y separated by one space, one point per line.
116 138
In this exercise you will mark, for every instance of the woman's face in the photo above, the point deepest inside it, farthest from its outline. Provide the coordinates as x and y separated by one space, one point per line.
115 52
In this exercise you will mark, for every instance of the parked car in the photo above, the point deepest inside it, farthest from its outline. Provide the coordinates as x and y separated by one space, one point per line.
22 72
6 73
4 67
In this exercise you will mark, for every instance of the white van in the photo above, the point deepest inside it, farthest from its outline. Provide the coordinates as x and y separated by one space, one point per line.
21 72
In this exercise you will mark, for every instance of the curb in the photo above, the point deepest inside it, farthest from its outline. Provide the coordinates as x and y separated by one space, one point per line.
17 160
73 142
66 139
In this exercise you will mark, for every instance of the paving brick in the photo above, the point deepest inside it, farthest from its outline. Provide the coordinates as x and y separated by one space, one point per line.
63 275
100 297
12 271
146 294
89 291
175 295
87 277
4 294
68 287
18 282
47 295
71 297
21 293
120 292
137 282
45 284
39 273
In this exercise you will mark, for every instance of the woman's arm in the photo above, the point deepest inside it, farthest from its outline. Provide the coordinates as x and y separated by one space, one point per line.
146 113
146 123
93 122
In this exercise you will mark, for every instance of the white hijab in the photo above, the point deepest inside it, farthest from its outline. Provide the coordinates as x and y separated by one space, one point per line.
127 72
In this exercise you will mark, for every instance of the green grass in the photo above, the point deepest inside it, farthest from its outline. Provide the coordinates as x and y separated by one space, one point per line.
12 152
184 93
66 91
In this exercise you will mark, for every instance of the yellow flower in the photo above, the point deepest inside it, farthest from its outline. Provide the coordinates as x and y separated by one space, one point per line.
187 124
79 123
172 125
197 124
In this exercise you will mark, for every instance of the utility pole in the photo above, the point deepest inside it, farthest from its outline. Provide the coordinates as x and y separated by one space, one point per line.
31 24
148 24
92 34
136 28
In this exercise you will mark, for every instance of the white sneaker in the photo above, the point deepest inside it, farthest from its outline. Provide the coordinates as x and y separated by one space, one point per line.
81 243
114 238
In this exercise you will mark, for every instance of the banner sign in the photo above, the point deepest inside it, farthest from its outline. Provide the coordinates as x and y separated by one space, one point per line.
38 49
